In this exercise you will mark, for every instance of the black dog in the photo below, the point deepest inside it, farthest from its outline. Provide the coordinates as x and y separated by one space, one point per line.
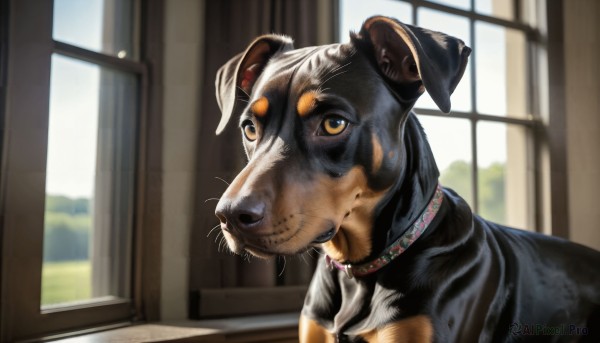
338 160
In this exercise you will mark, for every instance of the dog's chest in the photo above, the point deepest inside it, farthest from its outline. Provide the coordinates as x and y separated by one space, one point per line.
365 306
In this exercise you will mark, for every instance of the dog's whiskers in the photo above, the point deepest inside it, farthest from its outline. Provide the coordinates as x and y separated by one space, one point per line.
339 67
303 258
332 76
334 73
282 269
218 178
211 199
221 244
243 91
213 229
218 235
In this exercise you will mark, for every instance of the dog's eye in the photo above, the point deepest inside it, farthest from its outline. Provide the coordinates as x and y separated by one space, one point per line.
249 130
334 125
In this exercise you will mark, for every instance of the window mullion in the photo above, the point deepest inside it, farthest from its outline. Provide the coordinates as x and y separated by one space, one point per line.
474 169
97 58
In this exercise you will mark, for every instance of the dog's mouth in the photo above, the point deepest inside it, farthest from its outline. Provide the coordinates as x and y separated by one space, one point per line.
325 237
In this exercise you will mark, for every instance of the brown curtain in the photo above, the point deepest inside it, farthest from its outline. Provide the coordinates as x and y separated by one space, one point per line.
230 26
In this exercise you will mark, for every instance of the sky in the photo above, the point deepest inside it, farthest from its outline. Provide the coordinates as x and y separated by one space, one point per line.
74 91
75 88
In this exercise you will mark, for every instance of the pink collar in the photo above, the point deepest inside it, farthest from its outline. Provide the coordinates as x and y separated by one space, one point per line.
398 247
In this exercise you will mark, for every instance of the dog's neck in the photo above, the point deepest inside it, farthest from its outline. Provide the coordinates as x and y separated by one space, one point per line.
412 192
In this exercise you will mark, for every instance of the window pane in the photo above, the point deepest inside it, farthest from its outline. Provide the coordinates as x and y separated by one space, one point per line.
496 8
106 26
529 12
462 4
89 182
504 174
458 27
354 12
450 141
501 70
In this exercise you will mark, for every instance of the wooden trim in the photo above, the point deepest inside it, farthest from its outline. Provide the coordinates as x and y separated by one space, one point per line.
277 328
239 301
98 58
24 153
147 241
556 130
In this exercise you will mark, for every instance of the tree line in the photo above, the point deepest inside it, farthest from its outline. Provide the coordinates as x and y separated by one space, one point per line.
67 228
492 205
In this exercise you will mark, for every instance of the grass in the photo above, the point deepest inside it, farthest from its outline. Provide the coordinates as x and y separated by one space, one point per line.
66 281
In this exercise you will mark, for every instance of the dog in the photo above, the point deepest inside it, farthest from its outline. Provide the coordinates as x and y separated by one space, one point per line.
337 159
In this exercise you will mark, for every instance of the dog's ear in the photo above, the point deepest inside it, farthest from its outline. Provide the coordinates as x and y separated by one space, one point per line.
236 78
412 57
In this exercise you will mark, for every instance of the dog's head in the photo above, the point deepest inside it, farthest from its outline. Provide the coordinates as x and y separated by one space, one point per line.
323 131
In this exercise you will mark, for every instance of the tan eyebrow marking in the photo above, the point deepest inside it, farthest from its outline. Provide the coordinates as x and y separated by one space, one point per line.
377 154
306 103
260 107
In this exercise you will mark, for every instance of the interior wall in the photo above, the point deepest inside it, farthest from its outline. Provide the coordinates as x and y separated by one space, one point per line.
582 72
183 58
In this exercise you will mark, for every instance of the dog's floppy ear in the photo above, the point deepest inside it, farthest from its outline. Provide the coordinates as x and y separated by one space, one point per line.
410 56
236 78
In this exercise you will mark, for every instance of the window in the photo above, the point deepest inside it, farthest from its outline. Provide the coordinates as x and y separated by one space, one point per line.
74 165
485 149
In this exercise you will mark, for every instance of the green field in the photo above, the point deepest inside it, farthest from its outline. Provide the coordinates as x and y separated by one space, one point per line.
66 281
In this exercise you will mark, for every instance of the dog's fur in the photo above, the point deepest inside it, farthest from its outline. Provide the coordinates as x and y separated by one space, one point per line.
337 159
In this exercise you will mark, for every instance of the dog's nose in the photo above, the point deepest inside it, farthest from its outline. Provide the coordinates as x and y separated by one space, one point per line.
245 214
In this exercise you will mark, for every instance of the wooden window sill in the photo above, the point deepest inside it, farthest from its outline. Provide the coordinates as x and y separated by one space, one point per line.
273 328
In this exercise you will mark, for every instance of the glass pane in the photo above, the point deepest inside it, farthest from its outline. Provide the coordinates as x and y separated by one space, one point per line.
496 8
106 26
458 27
501 70
450 141
89 182
529 12
504 174
462 4
354 12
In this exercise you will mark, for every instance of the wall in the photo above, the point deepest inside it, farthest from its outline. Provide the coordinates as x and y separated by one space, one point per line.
582 72
184 21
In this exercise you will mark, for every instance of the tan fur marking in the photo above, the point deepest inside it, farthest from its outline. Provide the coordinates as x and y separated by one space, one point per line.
260 107
377 154
352 242
417 329
311 332
306 103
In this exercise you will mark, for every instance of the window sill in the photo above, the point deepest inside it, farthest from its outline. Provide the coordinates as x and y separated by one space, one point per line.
278 328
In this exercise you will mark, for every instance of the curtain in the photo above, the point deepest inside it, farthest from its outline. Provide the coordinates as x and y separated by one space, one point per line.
230 26
111 238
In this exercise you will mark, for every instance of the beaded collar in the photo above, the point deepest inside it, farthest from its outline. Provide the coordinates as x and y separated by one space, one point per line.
398 247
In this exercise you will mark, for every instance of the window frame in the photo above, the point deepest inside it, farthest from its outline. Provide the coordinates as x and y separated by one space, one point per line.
29 47
533 123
